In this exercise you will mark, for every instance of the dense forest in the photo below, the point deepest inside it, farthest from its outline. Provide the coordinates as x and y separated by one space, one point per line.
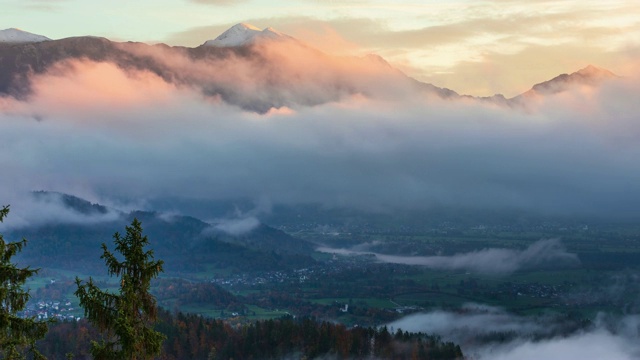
191 336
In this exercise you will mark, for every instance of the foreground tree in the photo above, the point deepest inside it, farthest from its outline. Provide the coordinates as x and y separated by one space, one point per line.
127 316
16 333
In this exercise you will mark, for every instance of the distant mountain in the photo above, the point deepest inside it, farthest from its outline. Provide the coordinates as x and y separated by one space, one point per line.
590 75
74 203
183 242
268 239
15 36
254 69
20 62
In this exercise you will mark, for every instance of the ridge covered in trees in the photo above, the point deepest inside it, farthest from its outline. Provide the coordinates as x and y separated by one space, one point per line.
190 336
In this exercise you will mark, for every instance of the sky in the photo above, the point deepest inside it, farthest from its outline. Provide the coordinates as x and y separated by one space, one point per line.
473 47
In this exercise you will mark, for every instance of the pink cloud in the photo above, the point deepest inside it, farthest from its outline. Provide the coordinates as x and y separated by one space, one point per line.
81 86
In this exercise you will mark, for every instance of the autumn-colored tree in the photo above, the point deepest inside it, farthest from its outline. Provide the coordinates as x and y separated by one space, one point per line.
125 317
16 333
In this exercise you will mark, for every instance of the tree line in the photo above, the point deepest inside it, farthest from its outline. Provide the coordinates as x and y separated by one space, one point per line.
190 336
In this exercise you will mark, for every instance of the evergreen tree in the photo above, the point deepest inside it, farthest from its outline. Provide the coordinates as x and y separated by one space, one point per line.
16 333
127 316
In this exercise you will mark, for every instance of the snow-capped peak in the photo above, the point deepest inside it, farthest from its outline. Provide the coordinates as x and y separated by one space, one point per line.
18 36
242 34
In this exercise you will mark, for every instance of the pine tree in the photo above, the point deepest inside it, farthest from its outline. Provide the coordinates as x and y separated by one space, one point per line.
127 316
16 333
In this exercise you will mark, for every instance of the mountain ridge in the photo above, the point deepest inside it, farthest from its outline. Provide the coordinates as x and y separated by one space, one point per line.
589 75
186 243
312 78
319 77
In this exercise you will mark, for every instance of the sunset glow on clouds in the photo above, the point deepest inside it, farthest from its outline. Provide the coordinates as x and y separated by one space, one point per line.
473 47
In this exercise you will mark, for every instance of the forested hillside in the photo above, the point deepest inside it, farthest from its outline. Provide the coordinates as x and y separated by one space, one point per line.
194 337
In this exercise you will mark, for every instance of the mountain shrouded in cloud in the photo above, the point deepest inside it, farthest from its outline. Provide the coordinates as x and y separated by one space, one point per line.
281 121
590 76
255 70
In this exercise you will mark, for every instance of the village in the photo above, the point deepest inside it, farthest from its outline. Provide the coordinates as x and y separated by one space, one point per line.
52 309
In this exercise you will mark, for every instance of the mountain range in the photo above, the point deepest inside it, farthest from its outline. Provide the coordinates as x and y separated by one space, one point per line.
256 70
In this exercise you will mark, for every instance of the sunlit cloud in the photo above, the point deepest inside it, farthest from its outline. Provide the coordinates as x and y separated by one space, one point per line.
81 86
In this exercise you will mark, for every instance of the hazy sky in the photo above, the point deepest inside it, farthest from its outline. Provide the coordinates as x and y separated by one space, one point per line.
473 47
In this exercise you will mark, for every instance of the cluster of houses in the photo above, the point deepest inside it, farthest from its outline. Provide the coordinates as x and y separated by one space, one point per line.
268 277
47 309
443 227
334 266
534 290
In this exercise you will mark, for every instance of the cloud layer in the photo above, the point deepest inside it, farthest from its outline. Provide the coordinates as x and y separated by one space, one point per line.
612 339
93 128
489 261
